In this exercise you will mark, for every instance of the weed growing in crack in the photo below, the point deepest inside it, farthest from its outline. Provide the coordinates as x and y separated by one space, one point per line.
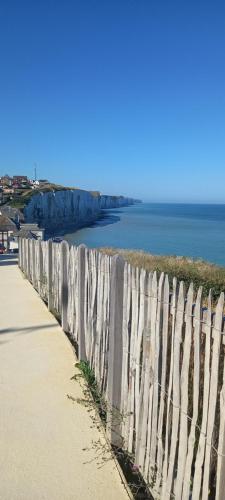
104 452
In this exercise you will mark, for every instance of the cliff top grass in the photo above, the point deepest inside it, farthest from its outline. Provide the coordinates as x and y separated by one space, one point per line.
27 194
201 273
95 194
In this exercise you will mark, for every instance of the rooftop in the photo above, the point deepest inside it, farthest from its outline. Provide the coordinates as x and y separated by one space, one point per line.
6 224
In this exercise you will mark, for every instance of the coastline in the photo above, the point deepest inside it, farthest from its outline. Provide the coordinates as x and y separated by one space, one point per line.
197 232
69 210
72 227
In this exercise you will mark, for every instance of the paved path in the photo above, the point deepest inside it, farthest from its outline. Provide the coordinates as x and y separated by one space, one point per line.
50 449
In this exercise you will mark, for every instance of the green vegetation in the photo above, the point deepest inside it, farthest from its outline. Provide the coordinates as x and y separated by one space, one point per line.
23 199
126 460
92 385
17 203
201 273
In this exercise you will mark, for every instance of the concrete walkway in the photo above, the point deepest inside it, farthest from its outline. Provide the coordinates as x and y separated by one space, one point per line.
50 449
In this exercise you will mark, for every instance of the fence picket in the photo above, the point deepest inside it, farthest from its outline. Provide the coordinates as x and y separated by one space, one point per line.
160 450
155 405
93 308
176 390
134 325
40 261
126 378
64 283
139 338
195 393
125 339
220 480
184 386
49 275
148 467
212 392
143 377
115 351
170 384
197 481
81 302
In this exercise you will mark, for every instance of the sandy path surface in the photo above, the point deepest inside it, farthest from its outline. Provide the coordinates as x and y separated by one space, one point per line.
48 443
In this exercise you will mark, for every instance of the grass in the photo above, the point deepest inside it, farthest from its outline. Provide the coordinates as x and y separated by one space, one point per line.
27 194
201 273
17 203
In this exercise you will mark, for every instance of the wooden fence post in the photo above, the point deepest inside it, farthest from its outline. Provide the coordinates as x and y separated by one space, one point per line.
49 276
33 261
20 253
64 283
40 259
81 305
28 259
24 256
115 351
220 482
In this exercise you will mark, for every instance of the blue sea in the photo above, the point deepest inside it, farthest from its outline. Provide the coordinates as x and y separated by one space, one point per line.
196 231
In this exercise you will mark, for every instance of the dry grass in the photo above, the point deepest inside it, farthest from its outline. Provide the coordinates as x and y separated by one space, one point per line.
201 273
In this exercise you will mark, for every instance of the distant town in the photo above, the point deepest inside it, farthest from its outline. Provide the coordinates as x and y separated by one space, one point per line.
11 188
12 223
16 193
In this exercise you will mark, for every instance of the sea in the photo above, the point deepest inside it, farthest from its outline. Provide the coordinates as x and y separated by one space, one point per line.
192 230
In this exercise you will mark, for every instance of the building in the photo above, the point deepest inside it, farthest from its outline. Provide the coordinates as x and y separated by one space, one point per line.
20 179
6 181
14 214
8 190
7 228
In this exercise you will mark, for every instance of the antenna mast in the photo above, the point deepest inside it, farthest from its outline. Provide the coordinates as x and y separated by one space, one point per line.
35 172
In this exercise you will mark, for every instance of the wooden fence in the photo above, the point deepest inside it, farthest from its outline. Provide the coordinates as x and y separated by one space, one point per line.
157 355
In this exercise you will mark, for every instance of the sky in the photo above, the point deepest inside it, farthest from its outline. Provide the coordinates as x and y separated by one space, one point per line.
123 96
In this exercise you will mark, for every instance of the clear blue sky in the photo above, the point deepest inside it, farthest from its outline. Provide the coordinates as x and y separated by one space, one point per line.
124 96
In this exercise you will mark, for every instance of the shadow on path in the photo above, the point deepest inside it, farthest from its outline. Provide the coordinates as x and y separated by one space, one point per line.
22 331
27 329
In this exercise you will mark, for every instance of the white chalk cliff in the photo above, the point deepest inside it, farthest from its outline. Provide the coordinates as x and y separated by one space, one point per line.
74 208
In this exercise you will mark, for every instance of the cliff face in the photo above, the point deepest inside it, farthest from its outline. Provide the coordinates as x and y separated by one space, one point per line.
114 201
75 208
